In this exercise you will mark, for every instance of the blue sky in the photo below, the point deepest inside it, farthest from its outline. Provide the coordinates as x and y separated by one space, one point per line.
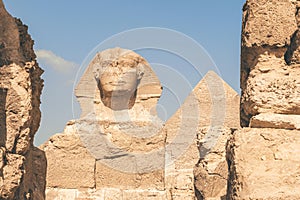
65 32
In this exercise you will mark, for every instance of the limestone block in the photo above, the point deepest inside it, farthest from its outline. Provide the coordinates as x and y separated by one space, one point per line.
59 193
269 59
268 23
70 165
114 178
90 194
272 87
113 194
144 195
271 120
264 164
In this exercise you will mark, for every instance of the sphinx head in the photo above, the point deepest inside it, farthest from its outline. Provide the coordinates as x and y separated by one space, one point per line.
118 76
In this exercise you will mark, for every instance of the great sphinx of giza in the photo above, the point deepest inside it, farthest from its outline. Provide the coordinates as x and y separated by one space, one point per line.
121 149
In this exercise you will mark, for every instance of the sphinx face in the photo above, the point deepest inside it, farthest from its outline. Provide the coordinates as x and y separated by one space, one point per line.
118 80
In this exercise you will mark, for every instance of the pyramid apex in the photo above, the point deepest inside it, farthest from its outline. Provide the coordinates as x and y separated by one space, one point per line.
211 73
213 77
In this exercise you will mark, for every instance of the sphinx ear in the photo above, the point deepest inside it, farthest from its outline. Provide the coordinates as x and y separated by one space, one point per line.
140 71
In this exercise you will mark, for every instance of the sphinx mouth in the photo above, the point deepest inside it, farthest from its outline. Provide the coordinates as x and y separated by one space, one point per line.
119 83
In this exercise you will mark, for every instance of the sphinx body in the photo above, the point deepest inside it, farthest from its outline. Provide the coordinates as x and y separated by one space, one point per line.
120 147
121 115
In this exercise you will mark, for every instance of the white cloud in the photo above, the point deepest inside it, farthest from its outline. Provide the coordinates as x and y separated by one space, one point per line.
56 62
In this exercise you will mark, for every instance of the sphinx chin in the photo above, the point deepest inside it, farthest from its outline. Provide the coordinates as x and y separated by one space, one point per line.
118 99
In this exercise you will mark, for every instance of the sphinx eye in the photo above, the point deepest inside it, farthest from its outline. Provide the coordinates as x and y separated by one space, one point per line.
140 74
106 63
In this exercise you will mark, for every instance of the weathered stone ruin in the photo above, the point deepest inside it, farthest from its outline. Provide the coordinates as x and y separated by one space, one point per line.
120 149
269 69
150 160
264 161
22 166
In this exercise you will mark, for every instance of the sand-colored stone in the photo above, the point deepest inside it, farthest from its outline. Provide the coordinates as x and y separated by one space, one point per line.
15 43
69 164
113 194
12 175
58 194
264 164
106 176
37 166
119 138
144 195
90 194
211 172
123 118
212 103
272 87
192 132
88 92
104 194
137 157
263 160
22 165
269 59
268 23
279 121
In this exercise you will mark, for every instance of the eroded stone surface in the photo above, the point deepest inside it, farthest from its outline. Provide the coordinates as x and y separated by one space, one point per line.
136 155
88 91
195 130
272 87
69 164
104 194
211 172
108 177
269 60
263 160
23 166
268 23
118 138
271 120
264 164
118 73
15 43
